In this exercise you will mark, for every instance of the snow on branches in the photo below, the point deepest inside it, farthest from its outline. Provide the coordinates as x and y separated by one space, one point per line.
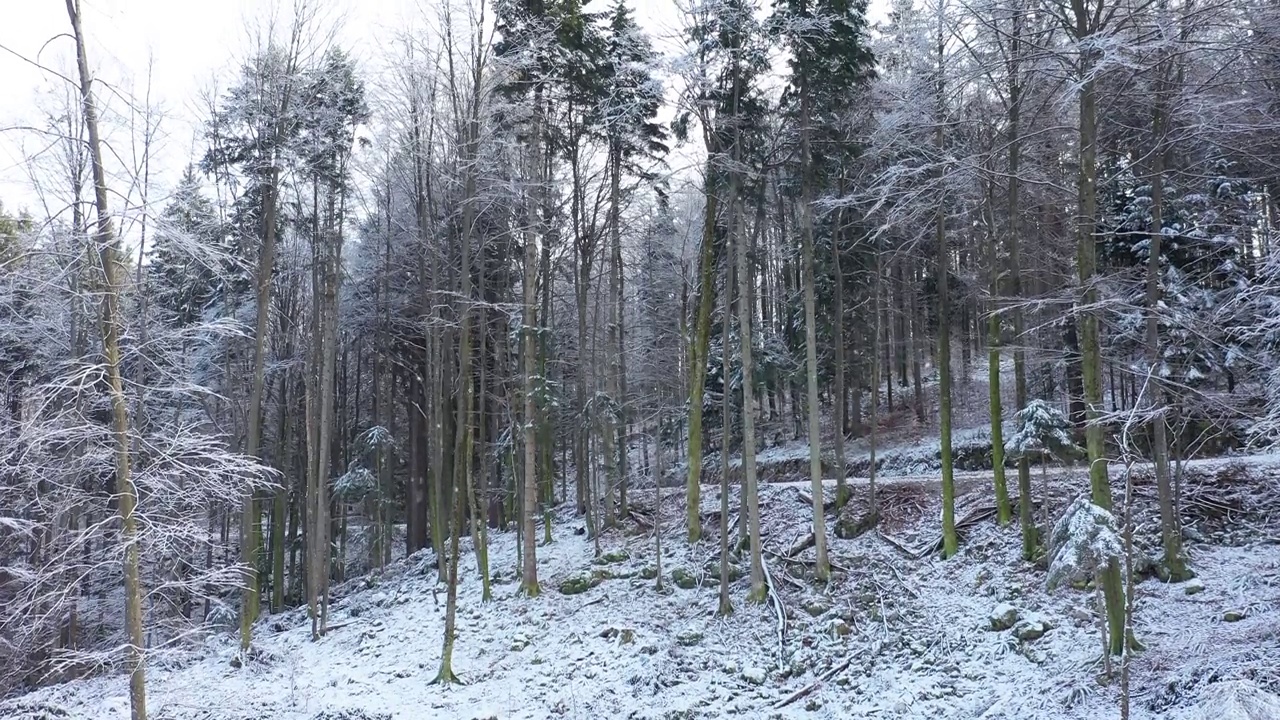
1084 539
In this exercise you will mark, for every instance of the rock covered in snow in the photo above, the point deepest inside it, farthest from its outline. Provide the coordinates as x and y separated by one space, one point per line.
689 638
1193 586
579 583
1031 629
683 579
1003 617
1082 614
754 675
816 607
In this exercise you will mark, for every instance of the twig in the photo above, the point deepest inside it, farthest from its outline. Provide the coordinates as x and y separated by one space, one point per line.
898 575
814 685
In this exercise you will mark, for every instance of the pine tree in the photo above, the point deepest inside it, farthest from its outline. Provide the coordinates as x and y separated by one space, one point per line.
727 59
829 60
193 266
251 133
632 97
525 32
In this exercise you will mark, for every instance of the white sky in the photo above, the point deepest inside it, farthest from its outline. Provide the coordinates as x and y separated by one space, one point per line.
189 45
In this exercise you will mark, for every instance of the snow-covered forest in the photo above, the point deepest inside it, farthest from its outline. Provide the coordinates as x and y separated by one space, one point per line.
728 358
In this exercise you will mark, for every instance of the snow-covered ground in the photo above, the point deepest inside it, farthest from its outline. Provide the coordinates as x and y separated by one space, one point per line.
888 637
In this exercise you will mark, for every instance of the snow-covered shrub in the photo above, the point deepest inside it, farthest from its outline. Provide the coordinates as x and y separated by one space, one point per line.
1235 700
1041 430
355 483
1083 540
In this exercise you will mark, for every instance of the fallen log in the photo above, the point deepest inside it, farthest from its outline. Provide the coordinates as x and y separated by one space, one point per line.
827 504
975 516
896 545
640 518
801 545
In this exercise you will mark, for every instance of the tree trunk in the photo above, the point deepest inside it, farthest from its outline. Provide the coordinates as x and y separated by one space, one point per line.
1170 534
445 675
249 540
698 358
1091 355
330 254
949 541
726 606
112 329
546 426
1025 519
822 570
583 256
1003 511
873 505
1074 376
917 349
751 498
842 488
278 506
529 499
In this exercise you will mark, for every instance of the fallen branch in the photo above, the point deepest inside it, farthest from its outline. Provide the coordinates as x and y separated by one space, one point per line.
589 603
827 504
911 591
802 692
896 545
778 609
639 517
800 546
800 561
974 517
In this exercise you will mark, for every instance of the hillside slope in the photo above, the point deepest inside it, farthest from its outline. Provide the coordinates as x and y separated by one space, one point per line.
891 636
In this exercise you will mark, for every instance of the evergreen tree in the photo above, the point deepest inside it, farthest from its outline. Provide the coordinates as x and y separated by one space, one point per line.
829 60
632 96
728 57
192 267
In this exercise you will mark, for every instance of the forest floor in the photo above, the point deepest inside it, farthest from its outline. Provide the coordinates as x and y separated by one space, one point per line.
891 635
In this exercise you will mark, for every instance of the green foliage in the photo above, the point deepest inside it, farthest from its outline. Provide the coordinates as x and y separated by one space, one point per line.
192 265
1042 429
357 483
632 94
830 53
373 447
11 230
334 104
1083 542
729 52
